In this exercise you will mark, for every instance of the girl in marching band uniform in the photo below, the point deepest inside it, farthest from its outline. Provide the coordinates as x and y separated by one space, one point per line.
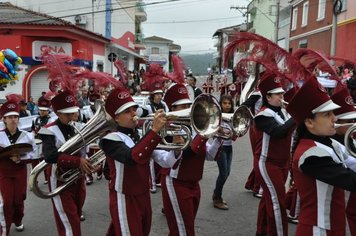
13 170
319 170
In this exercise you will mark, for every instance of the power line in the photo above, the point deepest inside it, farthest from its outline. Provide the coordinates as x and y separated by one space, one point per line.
102 11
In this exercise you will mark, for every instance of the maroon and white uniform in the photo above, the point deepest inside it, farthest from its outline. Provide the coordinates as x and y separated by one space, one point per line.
13 180
273 130
322 194
180 185
208 88
67 205
128 158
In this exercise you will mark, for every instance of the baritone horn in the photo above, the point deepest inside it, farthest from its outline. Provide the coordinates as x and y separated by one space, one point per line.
204 117
96 128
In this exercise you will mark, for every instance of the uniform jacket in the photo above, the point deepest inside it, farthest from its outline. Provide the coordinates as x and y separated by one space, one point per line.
23 137
321 176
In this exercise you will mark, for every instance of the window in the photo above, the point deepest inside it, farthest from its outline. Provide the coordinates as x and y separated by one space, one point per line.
155 50
303 43
343 5
294 18
321 10
305 14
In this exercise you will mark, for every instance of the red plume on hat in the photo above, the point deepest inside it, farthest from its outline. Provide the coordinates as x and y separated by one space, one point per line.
155 77
312 59
60 72
122 71
178 70
263 51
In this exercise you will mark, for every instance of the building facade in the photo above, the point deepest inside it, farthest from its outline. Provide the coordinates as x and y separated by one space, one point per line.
30 32
159 50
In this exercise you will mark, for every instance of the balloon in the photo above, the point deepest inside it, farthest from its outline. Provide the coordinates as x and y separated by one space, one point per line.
9 64
4 75
2 56
3 67
10 55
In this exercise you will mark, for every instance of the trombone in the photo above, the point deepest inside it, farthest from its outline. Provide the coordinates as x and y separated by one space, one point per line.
96 128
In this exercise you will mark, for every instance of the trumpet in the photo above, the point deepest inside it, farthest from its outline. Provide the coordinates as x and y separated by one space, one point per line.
204 116
96 128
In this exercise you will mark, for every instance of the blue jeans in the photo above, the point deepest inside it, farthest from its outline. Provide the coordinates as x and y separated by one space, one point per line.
224 164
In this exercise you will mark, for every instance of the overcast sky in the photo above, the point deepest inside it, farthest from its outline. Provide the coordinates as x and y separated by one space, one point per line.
191 23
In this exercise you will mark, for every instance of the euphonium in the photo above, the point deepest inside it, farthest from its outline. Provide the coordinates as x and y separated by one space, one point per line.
96 128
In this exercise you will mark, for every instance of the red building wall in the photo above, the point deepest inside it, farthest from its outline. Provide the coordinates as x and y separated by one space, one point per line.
346 40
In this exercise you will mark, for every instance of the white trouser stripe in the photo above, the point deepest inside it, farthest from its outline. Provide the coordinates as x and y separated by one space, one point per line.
121 207
272 190
318 231
58 203
175 205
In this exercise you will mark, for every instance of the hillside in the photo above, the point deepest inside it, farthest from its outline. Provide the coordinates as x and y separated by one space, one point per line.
198 63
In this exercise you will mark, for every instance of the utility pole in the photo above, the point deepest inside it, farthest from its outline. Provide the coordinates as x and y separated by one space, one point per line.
277 22
337 7
92 15
242 10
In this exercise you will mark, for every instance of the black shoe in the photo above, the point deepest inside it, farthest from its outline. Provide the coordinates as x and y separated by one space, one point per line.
258 195
19 228
293 220
82 218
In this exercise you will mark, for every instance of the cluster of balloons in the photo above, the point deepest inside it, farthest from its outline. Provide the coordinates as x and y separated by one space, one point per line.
9 63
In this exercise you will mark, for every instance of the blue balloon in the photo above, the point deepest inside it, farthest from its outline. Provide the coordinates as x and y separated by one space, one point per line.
10 55
4 75
9 66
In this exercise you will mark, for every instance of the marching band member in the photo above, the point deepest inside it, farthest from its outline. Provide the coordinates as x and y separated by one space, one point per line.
128 158
273 139
180 183
253 182
67 206
43 119
319 171
208 86
13 170
155 103
346 114
93 147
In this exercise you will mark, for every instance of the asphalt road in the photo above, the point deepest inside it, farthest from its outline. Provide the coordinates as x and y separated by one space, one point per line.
240 219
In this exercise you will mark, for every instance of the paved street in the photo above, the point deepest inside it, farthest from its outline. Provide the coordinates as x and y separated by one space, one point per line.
240 219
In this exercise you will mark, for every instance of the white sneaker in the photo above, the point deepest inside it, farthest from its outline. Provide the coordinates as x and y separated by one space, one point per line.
20 228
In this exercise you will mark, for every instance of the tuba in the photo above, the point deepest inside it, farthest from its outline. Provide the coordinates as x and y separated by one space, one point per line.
204 117
96 128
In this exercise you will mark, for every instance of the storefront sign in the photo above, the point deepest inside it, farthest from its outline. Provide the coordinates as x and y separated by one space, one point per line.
54 47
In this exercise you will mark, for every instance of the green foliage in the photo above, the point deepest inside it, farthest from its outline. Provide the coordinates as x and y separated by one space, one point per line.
199 63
